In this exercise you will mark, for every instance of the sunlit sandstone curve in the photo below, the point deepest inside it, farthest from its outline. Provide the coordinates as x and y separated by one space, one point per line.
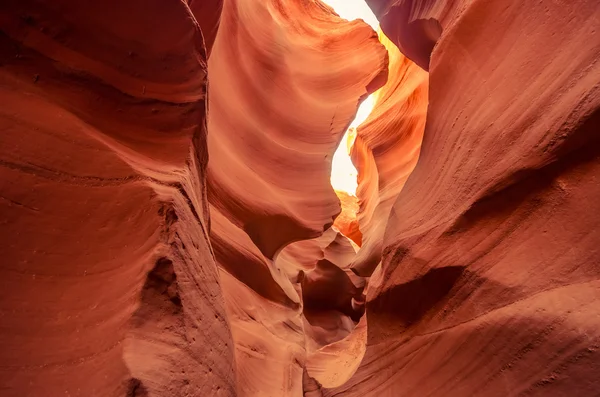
492 243
344 175
169 225
269 175
269 79
386 151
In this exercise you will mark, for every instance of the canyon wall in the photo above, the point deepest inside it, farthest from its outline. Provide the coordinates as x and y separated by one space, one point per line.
386 151
489 278
285 83
166 207
109 286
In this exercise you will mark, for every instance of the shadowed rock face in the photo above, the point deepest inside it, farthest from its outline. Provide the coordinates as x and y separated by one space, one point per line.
102 166
166 212
414 25
498 220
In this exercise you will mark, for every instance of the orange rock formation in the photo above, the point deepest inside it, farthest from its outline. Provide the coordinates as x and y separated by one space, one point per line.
489 277
169 228
109 286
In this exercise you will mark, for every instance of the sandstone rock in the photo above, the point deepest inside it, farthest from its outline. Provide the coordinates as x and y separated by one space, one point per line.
108 285
169 228
489 281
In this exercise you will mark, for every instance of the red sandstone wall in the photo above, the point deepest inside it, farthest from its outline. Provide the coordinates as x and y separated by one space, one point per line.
164 215
285 82
489 282
108 286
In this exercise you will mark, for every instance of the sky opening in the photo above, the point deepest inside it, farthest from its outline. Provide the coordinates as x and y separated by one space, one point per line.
343 172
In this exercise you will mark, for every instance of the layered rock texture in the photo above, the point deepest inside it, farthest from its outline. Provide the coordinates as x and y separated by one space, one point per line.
169 229
282 93
109 285
489 281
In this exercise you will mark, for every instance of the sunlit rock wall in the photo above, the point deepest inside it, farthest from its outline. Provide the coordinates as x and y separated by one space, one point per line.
489 281
286 79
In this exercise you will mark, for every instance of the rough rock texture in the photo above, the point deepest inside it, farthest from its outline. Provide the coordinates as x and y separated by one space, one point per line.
490 276
109 286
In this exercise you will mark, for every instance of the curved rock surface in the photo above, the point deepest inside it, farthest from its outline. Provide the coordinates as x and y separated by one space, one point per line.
270 166
108 286
415 26
489 282
386 151
269 176
169 228
347 222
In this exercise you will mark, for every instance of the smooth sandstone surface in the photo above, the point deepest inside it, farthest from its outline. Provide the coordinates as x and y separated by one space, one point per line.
169 228
386 151
281 94
109 286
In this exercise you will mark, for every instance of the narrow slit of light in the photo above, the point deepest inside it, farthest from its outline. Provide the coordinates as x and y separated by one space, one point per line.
343 173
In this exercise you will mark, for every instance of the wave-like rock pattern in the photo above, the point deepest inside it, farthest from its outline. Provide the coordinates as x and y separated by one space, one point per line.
489 281
347 222
285 83
134 266
415 26
109 286
386 151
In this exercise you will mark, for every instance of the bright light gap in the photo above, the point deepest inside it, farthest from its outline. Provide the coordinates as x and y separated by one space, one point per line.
343 173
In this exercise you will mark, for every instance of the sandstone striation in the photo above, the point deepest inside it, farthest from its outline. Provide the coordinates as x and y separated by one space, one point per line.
285 83
489 279
169 227
386 151
269 164
109 286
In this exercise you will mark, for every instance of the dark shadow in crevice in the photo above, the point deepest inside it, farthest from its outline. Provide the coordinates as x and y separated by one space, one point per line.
415 39
135 388
404 305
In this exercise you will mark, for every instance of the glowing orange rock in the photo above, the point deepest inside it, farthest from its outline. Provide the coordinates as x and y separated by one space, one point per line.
489 277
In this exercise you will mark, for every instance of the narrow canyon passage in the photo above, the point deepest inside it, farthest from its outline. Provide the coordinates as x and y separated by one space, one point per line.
293 301
303 198
285 274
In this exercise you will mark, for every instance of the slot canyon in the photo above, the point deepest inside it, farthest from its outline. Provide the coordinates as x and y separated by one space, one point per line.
299 198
